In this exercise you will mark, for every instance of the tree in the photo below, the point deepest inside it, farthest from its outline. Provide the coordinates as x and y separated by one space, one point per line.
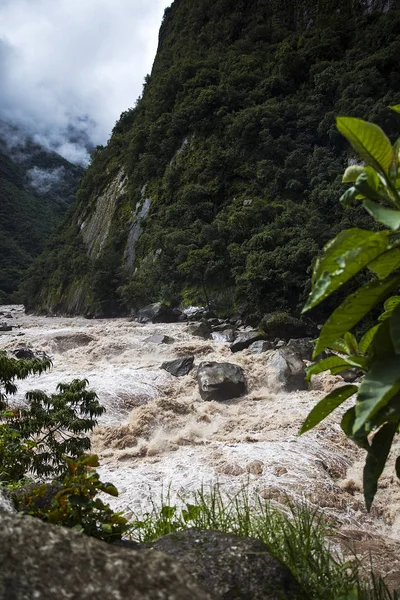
197 265
37 437
374 419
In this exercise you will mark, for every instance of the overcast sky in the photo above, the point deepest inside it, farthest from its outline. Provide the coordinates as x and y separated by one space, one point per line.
74 66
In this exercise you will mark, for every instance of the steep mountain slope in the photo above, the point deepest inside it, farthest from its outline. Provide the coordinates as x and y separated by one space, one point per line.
226 174
36 188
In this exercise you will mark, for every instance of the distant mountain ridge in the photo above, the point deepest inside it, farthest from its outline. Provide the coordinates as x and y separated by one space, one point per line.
37 186
226 175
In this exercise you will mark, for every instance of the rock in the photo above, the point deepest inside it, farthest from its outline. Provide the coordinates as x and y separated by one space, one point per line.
28 354
222 326
195 313
203 330
159 313
179 367
284 326
214 322
351 375
244 339
303 347
44 561
8 316
286 371
159 338
228 335
260 346
5 327
280 344
229 566
6 504
220 381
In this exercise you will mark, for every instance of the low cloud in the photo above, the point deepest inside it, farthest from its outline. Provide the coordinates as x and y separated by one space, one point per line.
69 68
42 180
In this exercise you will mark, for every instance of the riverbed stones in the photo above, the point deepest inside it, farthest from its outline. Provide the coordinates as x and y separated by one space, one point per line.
43 561
179 367
244 339
286 371
220 381
303 347
229 566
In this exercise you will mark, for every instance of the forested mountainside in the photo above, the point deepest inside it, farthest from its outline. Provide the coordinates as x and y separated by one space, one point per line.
226 174
36 188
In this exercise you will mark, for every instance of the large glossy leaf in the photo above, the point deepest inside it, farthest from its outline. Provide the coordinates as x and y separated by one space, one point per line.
367 338
378 387
368 140
376 459
386 216
385 264
389 307
352 173
394 325
327 364
360 438
352 310
327 405
345 256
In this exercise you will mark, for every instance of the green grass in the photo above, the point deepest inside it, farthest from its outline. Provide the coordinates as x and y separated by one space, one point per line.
297 535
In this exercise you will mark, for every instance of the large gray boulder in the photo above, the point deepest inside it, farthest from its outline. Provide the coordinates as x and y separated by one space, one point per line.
286 371
220 381
202 330
283 326
159 313
47 562
159 338
179 367
244 339
229 566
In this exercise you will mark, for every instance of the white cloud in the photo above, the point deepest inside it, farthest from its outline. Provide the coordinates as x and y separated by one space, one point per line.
68 68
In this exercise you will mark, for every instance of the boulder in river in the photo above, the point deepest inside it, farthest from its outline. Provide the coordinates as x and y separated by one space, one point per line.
227 335
159 313
202 330
229 566
179 367
159 338
244 339
286 370
260 346
285 327
220 381
303 347
44 561
5 327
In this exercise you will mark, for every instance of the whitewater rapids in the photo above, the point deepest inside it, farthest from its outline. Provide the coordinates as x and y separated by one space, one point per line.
158 433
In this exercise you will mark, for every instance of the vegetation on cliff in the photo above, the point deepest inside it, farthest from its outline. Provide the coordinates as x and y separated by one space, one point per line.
36 188
234 147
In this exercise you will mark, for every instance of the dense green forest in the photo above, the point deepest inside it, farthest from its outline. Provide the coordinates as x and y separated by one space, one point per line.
36 188
233 149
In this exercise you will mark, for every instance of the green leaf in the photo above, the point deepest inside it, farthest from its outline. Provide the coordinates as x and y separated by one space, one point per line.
394 326
376 459
352 310
106 527
396 108
368 140
379 385
109 488
91 461
327 364
360 438
386 216
327 405
351 173
385 264
367 338
345 256
351 342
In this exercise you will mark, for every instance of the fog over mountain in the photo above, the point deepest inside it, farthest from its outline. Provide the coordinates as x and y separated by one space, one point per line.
69 68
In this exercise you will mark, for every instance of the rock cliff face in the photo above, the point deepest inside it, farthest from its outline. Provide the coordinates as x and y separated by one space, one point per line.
225 176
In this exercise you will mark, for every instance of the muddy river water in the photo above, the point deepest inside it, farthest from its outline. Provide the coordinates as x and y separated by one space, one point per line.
157 432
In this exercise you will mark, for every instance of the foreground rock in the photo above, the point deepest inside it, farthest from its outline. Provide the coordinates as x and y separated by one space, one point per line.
286 371
159 313
260 346
202 330
245 339
179 367
220 381
229 566
47 562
